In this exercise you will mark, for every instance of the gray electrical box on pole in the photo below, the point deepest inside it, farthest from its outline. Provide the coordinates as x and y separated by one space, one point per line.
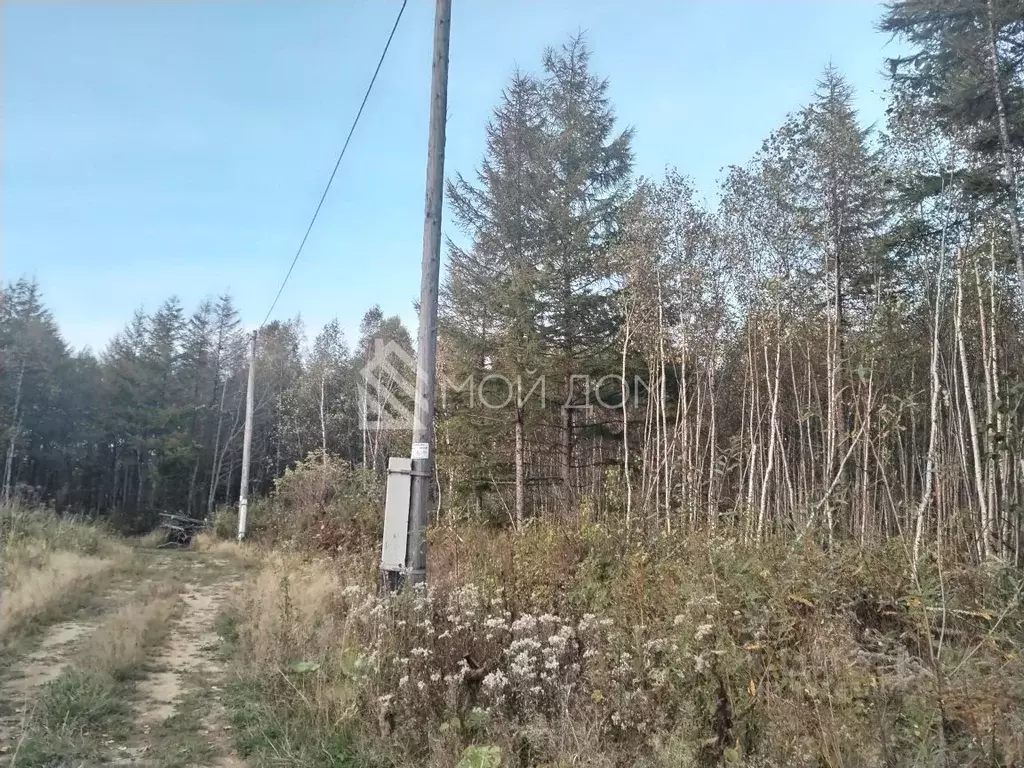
396 516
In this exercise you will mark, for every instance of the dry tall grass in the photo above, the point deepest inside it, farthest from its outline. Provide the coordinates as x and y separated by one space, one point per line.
35 593
152 540
247 552
50 565
570 647
121 645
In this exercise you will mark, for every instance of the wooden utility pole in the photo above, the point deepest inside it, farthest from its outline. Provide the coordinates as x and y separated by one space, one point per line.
426 358
243 494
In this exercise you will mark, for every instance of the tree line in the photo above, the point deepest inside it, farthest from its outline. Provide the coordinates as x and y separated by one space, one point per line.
154 422
833 347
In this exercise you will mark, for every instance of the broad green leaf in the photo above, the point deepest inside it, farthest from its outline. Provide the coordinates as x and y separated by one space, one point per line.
480 757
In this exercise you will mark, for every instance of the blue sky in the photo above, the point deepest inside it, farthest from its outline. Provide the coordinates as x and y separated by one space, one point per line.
159 148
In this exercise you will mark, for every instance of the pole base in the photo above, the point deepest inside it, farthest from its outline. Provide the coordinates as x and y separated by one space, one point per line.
395 581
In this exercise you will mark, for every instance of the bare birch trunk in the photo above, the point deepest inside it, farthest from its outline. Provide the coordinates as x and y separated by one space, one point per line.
217 457
323 418
520 460
15 429
773 383
933 411
972 419
625 428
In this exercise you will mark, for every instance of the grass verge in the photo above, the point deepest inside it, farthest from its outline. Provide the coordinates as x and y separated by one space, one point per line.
273 728
51 567
182 740
562 647
88 706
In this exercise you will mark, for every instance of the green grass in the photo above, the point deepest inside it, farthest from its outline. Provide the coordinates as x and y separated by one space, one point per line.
179 741
73 715
83 701
272 730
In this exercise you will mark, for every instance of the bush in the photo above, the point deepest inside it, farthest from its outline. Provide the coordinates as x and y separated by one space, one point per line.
38 529
321 504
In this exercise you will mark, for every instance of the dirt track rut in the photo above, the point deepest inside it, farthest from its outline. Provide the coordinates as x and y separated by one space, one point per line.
178 715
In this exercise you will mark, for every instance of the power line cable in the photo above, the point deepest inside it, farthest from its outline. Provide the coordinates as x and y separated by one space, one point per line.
341 156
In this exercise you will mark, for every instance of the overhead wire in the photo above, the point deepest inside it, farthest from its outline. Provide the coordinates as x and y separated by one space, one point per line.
337 164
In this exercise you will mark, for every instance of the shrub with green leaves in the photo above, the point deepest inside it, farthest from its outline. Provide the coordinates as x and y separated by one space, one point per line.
321 504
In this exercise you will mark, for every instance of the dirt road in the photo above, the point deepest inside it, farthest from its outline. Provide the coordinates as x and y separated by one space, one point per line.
163 710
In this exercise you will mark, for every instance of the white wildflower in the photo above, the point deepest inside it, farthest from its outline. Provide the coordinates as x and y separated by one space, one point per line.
525 623
436 677
702 631
404 681
522 666
523 644
495 681
421 652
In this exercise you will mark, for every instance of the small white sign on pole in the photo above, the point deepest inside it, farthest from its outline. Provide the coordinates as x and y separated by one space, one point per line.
421 450
396 514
